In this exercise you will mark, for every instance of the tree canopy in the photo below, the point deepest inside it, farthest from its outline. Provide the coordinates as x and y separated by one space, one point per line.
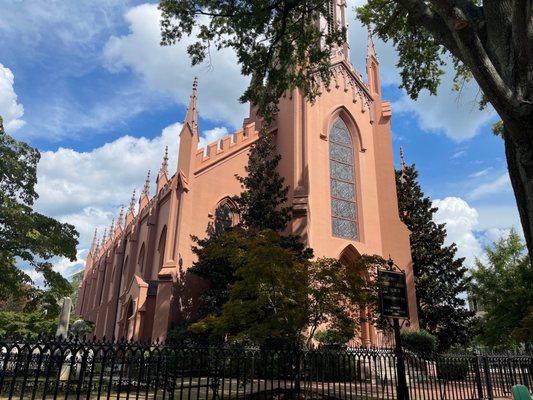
502 289
28 238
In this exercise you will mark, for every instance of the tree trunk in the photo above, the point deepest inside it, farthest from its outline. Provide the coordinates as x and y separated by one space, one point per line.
520 165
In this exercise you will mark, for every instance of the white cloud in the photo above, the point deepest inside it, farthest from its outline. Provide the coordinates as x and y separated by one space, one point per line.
480 173
87 189
461 221
168 70
10 110
73 25
500 185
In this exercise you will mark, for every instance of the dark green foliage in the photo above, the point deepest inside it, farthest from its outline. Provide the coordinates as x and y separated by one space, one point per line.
24 233
419 341
265 292
335 337
277 43
452 368
502 288
261 205
440 278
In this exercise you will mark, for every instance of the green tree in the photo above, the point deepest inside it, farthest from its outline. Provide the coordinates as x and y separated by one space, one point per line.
261 205
278 42
440 277
278 295
29 238
25 234
502 288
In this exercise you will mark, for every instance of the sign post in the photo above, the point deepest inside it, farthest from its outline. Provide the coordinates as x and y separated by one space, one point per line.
393 304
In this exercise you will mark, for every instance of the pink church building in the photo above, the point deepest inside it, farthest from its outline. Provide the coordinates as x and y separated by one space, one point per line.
337 161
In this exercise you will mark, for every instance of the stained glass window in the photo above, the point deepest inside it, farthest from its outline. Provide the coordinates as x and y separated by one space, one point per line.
223 217
342 182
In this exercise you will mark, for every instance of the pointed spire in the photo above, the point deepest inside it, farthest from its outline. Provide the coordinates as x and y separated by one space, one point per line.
131 209
191 117
112 228
164 165
120 220
94 242
104 238
146 188
371 49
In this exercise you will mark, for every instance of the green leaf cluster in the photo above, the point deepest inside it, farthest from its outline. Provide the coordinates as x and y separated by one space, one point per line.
440 278
278 43
502 288
261 204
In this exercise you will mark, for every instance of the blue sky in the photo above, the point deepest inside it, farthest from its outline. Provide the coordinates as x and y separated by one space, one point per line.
88 84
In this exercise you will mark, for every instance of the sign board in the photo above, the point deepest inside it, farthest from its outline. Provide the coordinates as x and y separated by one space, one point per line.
392 294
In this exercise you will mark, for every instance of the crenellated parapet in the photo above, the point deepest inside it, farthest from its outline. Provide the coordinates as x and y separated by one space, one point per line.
216 151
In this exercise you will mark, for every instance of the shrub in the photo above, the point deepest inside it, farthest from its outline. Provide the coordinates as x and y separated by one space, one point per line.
454 369
419 342
335 337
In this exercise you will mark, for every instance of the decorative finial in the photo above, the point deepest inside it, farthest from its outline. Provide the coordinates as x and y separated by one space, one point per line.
120 220
132 203
94 243
104 237
112 228
371 49
164 165
191 117
146 188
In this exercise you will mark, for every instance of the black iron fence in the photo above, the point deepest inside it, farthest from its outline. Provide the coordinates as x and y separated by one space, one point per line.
122 370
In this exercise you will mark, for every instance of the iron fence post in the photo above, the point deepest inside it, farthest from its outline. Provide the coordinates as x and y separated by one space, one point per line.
402 392
479 385
488 380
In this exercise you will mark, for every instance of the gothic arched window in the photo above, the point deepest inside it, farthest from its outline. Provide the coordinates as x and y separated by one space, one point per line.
140 260
342 182
224 217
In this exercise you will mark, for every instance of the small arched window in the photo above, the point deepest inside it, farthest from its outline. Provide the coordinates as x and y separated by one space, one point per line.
161 247
224 217
140 260
342 182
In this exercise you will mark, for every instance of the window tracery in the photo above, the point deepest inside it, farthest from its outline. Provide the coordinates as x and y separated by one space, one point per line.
342 182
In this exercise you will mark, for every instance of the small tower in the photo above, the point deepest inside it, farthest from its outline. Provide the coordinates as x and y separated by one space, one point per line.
189 136
372 66
145 194
130 215
120 220
162 175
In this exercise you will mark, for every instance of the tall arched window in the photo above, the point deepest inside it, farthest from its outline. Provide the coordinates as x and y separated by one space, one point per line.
342 182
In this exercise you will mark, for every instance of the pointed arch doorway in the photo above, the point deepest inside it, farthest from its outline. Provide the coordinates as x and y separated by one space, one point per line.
366 336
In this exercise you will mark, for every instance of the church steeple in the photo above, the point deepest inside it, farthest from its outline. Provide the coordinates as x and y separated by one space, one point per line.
189 135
